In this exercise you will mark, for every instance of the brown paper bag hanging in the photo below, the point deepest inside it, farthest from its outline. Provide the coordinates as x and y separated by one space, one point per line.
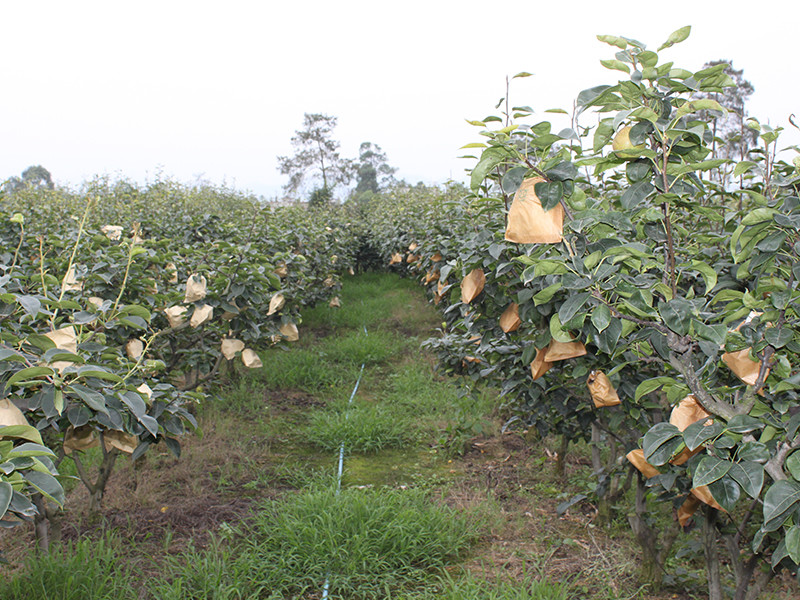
397 258
281 271
437 257
290 332
10 414
540 366
201 315
687 509
564 350
335 302
64 339
172 270
744 367
636 458
430 276
412 258
124 442
134 348
145 391
175 315
509 320
70 283
528 222
686 412
413 246
704 494
276 303
250 359
196 289
81 438
230 347
472 285
603 393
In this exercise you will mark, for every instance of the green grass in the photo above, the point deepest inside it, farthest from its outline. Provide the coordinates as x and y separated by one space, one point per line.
305 369
469 587
363 427
84 570
367 543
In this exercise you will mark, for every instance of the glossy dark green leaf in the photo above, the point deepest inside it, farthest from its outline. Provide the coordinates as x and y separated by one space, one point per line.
572 305
792 540
743 424
677 314
781 499
513 179
563 171
635 194
749 475
709 470
778 337
725 491
92 398
660 442
47 485
550 193
699 432
6 493
601 317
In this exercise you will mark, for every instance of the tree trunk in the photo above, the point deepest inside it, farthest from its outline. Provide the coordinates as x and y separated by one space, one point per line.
711 554
561 457
651 570
40 523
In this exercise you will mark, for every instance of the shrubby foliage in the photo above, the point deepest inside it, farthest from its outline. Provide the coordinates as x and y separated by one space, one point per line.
118 302
677 294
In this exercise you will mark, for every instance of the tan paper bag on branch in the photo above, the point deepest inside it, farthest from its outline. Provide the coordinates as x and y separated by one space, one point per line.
250 359
276 303
397 258
744 367
230 347
603 393
540 366
509 320
196 289
636 458
11 415
80 438
704 494
472 285
124 442
564 350
65 339
201 315
686 412
528 222
436 257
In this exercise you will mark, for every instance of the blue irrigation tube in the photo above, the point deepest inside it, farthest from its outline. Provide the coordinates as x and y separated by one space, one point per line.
326 587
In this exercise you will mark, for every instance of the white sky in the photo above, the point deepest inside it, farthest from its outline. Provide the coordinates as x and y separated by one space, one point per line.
217 89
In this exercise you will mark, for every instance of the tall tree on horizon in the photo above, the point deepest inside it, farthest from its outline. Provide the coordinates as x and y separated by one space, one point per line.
316 158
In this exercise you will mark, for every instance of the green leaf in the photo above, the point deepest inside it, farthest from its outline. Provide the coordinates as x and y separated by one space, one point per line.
743 424
490 158
616 65
28 374
725 491
613 40
30 449
544 296
660 442
563 171
557 331
572 305
749 475
676 314
709 470
793 464
696 434
549 193
702 104
778 337
708 273
601 317
651 385
743 167
25 432
6 493
779 502
94 400
792 540
759 215
513 179
47 485
676 37
635 194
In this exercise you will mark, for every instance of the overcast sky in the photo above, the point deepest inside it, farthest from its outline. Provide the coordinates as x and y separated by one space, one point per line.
215 90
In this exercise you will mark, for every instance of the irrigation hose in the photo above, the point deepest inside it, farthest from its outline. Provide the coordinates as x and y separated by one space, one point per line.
326 586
